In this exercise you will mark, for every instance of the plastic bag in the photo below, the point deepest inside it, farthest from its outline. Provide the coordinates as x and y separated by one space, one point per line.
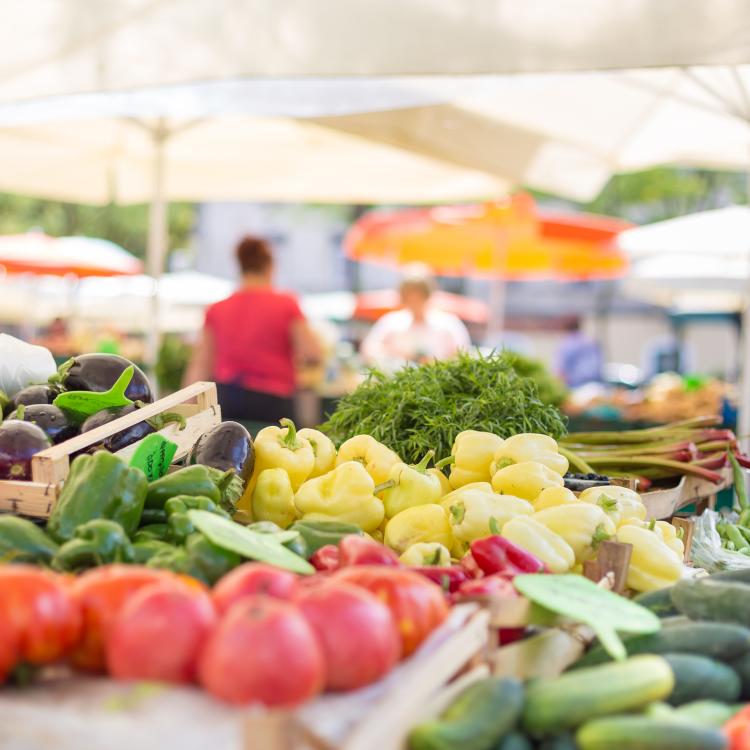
23 364
706 549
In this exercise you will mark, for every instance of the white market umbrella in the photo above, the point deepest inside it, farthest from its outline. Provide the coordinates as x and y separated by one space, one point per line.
59 47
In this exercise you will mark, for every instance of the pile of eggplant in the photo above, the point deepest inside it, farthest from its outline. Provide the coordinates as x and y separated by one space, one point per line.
32 422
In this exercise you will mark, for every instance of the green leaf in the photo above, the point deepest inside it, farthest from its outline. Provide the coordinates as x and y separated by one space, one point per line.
582 600
85 403
233 536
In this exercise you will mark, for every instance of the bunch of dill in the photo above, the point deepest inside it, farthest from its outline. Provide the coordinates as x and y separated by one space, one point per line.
424 407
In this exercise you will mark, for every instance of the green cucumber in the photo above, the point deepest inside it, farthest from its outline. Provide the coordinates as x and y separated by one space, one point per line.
710 599
741 575
478 719
644 733
559 742
699 678
706 713
659 602
741 665
717 640
566 702
515 741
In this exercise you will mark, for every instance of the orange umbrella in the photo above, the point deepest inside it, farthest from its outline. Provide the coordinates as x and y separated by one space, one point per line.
373 305
510 241
36 252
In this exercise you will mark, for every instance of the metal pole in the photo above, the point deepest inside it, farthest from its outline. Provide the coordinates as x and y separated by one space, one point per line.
156 251
743 417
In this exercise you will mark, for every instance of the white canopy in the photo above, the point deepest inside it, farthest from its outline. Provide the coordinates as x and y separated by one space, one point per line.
54 47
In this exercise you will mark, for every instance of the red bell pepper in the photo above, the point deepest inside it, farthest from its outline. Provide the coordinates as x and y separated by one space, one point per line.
497 584
495 554
737 730
360 550
450 578
326 558
469 564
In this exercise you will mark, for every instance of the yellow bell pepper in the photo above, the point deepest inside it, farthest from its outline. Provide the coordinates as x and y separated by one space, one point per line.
653 565
526 479
437 471
279 448
448 499
323 448
343 494
529 446
552 497
374 456
583 526
377 535
666 532
472 454
426 553
273 498
422 523
620 503
477 514
412 485
536 538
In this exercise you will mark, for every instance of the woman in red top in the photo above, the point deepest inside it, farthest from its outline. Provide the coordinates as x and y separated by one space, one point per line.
251 342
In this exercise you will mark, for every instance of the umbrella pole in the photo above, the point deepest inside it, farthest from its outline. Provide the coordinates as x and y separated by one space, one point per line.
497 311
156 250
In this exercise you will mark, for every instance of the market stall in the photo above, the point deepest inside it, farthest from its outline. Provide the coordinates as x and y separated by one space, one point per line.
390 580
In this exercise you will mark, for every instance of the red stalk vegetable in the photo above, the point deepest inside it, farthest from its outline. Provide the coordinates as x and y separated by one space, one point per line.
449 579
492 585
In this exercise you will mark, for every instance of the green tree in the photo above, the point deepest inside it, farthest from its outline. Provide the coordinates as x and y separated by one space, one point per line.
125 225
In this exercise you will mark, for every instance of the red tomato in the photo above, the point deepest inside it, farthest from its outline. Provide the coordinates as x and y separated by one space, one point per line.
159 633
101 594
253 578
357 633
417 604
9 642
262 651
737 730
38 607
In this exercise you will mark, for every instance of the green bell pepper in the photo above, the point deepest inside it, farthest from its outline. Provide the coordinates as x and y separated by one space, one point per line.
297 545
152 531
318 534
179 525
100 485
199 558
197 481
145 549
22 541
96 542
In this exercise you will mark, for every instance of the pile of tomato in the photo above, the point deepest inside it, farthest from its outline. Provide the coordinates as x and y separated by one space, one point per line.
261 635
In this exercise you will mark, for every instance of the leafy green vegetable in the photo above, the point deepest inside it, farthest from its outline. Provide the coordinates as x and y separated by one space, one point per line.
551 389
263 547
424 407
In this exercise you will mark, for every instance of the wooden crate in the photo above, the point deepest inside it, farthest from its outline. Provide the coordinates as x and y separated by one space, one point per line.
49 468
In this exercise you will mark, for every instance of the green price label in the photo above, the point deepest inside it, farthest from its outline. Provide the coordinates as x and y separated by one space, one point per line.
85 403
153 456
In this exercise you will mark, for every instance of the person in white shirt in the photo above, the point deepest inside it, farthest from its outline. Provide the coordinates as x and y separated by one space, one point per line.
417 332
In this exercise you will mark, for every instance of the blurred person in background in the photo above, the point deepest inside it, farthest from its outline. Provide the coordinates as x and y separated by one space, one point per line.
417 332
253 341
579 359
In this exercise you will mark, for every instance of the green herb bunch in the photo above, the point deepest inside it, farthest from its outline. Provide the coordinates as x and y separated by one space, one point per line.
424 407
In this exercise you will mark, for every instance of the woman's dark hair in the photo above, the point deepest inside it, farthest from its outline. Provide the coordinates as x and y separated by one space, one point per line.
254 254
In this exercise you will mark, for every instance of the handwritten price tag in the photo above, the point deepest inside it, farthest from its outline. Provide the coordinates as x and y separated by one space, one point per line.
154 456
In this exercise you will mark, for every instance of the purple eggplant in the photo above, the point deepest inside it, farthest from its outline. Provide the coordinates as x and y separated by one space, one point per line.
55 423
33 394
19 441
226 446
98 372
130 435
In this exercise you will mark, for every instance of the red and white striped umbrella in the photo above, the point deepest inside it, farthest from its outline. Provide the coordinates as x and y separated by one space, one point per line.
38 253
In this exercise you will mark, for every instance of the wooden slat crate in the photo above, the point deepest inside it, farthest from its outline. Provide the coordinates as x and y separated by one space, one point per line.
49 468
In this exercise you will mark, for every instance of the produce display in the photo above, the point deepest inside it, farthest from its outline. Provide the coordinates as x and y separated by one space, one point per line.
272 570
679 688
